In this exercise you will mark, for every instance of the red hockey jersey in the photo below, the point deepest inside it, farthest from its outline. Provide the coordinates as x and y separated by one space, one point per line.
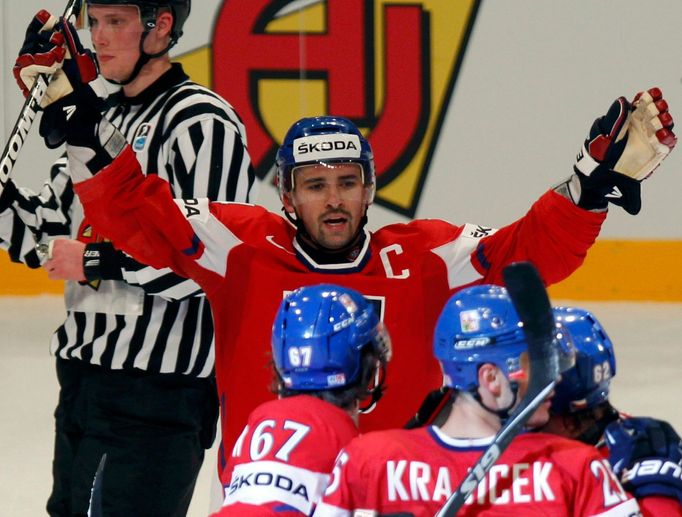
284 455
246 259
415 471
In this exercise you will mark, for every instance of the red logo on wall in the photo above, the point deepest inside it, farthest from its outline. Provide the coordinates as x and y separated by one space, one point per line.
390 66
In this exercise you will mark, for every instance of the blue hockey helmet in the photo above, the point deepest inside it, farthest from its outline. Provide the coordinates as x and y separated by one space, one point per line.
587 383
319 335
480 325
324 139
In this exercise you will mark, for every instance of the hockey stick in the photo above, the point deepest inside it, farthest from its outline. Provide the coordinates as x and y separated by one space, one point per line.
529 296
28 113
95 507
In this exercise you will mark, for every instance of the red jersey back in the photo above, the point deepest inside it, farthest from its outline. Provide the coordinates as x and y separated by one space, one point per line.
285 454
416 471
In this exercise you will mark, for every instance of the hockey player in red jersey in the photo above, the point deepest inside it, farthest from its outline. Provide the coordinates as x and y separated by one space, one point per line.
246 258
645 453
482 349
328 347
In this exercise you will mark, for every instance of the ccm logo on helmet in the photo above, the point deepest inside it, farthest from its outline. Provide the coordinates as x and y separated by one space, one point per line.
467 344
321 147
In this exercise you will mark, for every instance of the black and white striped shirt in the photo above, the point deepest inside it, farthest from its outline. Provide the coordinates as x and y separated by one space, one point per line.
151 320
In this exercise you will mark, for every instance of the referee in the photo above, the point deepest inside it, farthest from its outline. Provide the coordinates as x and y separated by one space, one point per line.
135 355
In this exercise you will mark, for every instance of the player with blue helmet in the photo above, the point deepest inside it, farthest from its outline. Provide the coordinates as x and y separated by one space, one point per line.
645 453
481 346
480 326
321 159
328 341
581 401
329 350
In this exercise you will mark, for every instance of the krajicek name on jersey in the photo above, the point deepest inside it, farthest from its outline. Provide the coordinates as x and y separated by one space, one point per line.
330 147
504 484
259 482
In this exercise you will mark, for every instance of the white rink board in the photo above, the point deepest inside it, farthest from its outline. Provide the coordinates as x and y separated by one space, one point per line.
646 336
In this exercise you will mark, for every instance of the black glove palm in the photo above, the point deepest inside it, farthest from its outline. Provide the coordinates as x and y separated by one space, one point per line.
74 117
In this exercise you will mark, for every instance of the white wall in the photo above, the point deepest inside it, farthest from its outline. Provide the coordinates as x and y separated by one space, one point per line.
536 74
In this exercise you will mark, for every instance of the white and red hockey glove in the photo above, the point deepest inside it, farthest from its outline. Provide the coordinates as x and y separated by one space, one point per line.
623 148
85 90
42 52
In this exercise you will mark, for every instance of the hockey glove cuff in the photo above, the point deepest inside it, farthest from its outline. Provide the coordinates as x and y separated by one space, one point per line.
623 148
646 454
101 261
653 477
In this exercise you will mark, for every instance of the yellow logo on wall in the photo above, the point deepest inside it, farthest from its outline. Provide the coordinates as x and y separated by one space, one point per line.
388 65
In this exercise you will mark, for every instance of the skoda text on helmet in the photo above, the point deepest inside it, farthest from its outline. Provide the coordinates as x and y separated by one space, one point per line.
319 335
480 325
587 383
149 10
324 139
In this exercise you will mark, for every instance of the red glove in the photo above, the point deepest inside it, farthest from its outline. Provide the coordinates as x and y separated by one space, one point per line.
43 52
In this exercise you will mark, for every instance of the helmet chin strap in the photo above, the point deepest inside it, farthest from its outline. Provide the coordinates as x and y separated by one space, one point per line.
376 392
502 414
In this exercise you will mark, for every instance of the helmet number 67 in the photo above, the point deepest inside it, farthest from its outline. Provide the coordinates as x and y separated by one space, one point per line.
300 355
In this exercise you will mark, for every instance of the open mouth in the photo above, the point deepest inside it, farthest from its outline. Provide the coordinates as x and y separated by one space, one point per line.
335 220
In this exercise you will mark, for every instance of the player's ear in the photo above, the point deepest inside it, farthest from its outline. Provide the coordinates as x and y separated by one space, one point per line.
164 23
489 379
287 202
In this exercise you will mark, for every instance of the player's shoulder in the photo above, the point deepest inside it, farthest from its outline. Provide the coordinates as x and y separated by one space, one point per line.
194 100
320 416
561 450
389 443
423 231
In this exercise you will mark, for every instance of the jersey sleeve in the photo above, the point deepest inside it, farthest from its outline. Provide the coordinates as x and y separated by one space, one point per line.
554 235
598 491
139 215
653 506
206 158
28 218
347 487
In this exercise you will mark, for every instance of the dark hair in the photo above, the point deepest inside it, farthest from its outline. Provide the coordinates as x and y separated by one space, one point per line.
591 421
344 397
